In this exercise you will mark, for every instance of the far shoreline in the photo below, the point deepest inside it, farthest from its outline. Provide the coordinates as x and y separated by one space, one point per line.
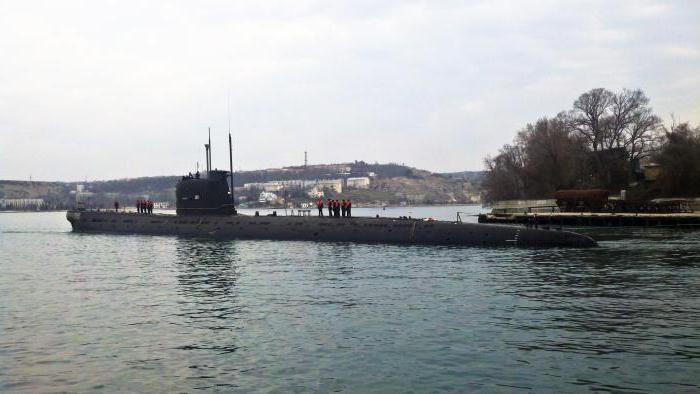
275 208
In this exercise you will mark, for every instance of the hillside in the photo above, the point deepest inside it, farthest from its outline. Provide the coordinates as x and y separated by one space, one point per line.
390 184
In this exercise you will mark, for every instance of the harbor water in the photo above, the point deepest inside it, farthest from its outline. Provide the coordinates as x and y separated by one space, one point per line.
137 313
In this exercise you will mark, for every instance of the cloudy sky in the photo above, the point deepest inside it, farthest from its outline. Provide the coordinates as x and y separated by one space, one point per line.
113 89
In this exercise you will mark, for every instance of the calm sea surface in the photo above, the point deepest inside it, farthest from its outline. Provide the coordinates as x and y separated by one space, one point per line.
86 312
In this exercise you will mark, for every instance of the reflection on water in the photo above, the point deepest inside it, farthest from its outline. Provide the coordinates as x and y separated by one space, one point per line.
207 268
207 273
84 312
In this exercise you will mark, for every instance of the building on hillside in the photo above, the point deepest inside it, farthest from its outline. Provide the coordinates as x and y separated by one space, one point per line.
264 186
334 184
651 171
22 203
267 197
276 186
82 195
358 183
315 192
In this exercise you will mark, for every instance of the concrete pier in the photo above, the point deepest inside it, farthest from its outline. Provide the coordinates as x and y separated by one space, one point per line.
580 219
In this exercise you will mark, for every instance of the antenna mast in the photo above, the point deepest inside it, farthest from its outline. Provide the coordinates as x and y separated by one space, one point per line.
207 148
230 160
230 148
228 109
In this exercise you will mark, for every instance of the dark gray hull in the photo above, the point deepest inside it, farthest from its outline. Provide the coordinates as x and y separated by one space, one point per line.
356 229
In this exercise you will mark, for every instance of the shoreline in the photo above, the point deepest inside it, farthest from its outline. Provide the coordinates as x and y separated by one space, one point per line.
375 206
268 208
32 210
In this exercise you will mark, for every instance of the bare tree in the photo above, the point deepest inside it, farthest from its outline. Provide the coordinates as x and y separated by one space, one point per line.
678 157
504 179
608 120
623 108
551 158
588 117
544 157
641 134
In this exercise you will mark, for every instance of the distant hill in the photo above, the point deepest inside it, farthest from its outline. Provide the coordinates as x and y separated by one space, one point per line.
391 184
472 176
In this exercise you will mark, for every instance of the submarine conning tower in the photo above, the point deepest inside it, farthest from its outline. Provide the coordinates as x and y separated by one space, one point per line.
208 193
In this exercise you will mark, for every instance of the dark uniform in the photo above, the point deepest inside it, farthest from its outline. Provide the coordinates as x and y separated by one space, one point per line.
348 208
330 207
343 206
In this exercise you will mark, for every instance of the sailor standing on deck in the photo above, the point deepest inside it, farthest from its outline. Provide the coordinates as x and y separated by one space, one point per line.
138 206
348 208
319 205
343 206
330 207
116 206
336 208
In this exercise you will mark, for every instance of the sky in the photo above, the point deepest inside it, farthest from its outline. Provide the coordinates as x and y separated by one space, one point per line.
121 89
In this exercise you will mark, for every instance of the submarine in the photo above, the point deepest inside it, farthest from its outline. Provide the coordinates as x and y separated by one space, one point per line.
205 207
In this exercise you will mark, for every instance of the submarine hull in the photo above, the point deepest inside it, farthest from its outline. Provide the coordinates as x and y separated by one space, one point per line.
355 229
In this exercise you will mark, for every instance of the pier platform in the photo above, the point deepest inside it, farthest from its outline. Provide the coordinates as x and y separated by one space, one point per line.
595 219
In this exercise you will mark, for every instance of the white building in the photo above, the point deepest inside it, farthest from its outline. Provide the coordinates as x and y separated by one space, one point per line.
334 184
358 183
315 192
267 197
275 186
21 203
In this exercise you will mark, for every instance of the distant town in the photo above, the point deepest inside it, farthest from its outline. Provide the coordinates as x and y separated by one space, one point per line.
296 186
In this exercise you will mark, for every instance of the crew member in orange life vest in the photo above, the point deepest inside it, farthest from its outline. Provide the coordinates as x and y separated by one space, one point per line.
319 205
